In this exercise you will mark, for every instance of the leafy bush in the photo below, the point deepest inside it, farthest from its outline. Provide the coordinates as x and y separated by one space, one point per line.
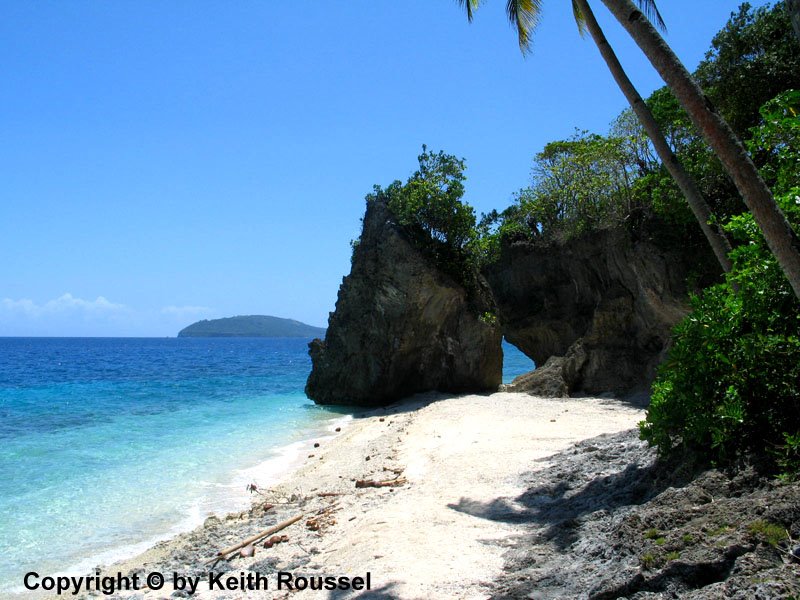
731 383
777 141
752 59
770 533
732 380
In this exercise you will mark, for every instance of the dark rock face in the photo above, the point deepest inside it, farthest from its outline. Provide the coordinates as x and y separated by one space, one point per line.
401 326
604 302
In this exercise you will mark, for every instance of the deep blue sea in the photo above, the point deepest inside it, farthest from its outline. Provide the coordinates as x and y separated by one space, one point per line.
110 444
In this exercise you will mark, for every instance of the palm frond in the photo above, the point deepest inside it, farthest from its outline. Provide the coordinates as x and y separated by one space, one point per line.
580 21
650 10
470 5
524 15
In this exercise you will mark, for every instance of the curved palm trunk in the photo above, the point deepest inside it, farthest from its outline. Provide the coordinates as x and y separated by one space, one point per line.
702 212
781 239
793 6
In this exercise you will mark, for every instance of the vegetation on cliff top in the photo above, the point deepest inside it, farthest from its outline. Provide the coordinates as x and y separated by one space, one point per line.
726 146
592 181
429 208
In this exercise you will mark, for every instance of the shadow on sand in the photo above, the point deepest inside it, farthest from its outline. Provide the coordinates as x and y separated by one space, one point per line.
589 477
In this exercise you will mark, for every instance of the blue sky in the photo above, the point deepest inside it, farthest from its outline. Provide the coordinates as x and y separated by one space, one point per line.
163 162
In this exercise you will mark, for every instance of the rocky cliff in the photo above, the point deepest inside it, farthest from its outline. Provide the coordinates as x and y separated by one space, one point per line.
595 312
402 326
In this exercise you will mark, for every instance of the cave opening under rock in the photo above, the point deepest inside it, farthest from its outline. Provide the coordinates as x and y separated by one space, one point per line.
515 362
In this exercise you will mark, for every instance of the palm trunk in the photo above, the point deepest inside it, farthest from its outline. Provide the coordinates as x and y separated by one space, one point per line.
702 212
793 7
781 239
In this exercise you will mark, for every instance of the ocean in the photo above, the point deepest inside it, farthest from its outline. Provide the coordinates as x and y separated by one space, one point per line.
108 445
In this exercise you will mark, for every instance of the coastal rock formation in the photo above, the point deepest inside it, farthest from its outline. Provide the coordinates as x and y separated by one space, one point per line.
553 379
402 326
605 302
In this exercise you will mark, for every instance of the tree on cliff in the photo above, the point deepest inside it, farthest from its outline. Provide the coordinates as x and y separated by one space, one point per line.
778 233
429 208
694 197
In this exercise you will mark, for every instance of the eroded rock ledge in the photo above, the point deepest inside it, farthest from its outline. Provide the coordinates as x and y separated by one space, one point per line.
402 326
594 313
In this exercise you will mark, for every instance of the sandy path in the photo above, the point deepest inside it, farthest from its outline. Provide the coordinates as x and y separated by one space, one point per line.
416 540
458 452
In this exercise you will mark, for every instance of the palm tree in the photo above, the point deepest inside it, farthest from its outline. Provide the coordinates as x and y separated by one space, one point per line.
702 212
778 233
780 238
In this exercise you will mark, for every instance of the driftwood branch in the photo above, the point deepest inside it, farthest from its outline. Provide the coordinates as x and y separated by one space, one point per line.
366 483
255 538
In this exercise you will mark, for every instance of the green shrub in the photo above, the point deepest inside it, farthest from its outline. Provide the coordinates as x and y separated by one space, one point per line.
648 560
777 141
787 456
720 530
731 383
489 318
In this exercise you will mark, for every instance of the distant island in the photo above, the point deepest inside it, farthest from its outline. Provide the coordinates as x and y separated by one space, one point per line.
251 326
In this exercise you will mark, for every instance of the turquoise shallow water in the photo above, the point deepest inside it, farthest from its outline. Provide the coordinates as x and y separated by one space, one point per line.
514 363
107 445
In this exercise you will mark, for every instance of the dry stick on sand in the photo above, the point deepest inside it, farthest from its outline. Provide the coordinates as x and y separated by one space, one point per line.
254 538
365 483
